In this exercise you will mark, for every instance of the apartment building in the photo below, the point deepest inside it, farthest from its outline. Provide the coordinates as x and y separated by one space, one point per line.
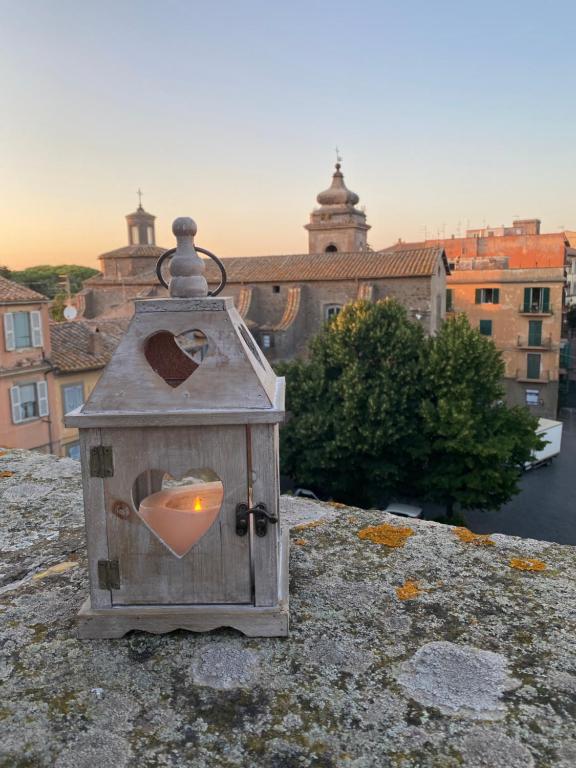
26 385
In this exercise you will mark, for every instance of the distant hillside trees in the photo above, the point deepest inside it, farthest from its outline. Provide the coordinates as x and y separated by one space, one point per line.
47 279
379 409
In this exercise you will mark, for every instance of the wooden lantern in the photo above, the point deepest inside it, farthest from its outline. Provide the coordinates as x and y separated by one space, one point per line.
179 452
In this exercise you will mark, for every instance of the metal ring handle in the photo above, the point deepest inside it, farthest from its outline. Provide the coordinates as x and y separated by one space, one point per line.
214 258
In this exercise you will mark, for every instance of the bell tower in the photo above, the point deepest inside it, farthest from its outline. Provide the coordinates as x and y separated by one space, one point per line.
141 226
337 225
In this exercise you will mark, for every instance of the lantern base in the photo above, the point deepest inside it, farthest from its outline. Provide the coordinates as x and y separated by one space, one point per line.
251 620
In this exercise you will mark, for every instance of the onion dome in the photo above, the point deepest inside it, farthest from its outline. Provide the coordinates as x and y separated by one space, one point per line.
338 193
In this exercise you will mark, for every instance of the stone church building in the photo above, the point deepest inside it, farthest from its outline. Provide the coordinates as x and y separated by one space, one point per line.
285 300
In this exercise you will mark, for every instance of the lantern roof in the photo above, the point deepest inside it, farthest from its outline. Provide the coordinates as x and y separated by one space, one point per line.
184 361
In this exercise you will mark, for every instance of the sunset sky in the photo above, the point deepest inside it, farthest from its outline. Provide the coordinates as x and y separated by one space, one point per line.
446 114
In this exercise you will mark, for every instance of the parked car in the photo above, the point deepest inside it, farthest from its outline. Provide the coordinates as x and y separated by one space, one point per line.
552 432
304 493
403 510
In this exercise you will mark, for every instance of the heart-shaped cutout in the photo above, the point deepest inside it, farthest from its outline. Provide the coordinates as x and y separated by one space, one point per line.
175 358
179 513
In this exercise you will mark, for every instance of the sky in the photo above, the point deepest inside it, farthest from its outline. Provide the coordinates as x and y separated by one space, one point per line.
447 115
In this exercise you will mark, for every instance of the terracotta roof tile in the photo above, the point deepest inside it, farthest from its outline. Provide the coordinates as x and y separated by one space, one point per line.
15 292
71 344
419 262
134 251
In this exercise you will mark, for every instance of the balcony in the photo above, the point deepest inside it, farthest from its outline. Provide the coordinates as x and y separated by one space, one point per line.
524 377
525 342
536 310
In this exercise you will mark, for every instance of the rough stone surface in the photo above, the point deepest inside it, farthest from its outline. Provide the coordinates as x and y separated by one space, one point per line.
477 670
458 680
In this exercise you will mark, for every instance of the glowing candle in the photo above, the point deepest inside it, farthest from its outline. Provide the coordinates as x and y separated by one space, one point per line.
180 516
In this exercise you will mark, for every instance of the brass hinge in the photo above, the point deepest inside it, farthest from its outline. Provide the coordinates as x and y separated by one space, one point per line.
101 461
108 574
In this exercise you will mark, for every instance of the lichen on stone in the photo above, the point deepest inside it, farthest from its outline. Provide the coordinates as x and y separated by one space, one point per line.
527 564
478 539
409 590
389 535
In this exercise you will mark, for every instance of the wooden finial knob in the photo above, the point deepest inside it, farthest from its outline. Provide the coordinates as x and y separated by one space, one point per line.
186 267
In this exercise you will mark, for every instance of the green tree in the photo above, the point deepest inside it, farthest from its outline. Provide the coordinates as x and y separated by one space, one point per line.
5 272
353 430
57 307
47 279
476 445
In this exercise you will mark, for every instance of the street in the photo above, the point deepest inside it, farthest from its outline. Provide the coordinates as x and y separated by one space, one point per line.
546 506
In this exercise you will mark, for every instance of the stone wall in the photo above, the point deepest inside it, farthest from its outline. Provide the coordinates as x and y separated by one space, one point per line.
412 644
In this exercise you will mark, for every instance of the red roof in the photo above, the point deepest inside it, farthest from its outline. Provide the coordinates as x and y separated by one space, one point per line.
17 293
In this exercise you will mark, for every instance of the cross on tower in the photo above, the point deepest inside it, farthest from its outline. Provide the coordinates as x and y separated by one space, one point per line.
338 156
139 193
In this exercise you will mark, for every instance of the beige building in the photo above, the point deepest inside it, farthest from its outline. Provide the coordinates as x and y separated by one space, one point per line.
26 385
80 350
521 310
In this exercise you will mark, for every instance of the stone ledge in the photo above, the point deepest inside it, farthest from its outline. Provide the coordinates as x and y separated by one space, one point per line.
432 653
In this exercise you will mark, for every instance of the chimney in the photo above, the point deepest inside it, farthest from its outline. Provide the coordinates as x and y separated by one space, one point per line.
95 343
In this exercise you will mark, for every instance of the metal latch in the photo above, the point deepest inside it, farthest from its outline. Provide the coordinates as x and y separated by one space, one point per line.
108 574
261 519
101 461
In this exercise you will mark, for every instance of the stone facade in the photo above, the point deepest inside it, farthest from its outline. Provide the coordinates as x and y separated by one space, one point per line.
285 300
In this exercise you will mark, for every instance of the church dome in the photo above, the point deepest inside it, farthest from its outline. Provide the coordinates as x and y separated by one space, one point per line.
338 193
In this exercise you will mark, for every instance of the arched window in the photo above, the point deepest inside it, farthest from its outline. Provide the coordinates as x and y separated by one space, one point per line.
331 310
331 249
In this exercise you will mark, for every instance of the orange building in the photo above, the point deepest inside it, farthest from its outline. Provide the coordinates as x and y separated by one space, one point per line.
26 384
510 281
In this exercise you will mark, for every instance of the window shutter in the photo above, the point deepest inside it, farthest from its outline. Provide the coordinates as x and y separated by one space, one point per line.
36 325
546 299
42 389
9 340
496 296
15 401
527 299
478 295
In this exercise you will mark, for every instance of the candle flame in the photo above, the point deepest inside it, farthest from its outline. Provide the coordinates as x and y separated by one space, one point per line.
197 504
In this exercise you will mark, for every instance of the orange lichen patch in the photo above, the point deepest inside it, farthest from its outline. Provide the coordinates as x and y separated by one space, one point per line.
479 540
527 565
3 453
305 526
389 535
337 504
300 542
55 570
6 473
408 590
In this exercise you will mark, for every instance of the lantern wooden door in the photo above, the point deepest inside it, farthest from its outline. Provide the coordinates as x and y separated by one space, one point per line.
216 569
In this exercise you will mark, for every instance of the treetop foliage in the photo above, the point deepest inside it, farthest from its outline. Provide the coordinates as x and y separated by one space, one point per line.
46 279
380 409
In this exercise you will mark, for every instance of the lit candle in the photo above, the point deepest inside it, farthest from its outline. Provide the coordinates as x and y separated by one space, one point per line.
180 516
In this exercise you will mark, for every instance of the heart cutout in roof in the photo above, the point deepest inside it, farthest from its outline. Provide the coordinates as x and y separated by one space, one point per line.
175 358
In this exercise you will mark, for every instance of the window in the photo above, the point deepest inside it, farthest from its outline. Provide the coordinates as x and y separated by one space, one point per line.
487 295
534 333
29 401
275 289
22 330
486 327
331 249
449 300
73 451
266 341
533 366
532 397
331 310
72 397
536 300
150 231
134 235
